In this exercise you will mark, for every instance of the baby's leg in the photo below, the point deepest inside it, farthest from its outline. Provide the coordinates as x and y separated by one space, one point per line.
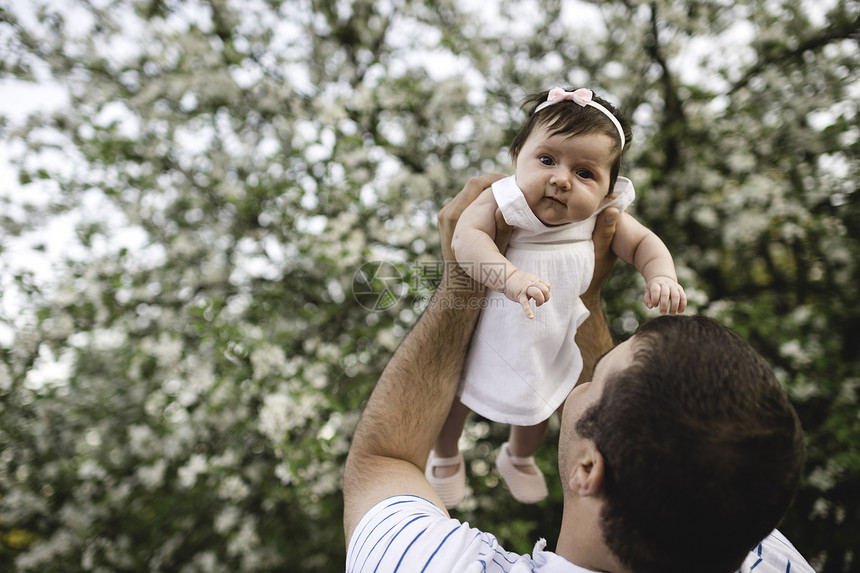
516 463
524 441
446 443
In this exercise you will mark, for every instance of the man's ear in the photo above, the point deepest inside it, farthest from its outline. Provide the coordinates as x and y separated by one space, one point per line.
586 478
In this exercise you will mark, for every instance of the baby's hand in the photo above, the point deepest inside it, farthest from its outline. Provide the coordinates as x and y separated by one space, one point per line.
666 293
521 286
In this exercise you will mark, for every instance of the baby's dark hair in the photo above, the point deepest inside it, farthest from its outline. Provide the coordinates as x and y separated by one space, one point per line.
571 119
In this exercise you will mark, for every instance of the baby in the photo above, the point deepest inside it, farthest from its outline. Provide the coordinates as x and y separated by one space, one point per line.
522 364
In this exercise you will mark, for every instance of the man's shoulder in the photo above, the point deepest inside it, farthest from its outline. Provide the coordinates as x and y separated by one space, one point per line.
410 533
775 554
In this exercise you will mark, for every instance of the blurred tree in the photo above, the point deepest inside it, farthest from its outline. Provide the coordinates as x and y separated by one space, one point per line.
253 188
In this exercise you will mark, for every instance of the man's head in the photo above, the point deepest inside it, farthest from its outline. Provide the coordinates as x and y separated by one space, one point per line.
700 450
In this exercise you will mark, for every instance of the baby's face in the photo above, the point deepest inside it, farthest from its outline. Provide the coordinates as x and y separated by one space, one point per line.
564 179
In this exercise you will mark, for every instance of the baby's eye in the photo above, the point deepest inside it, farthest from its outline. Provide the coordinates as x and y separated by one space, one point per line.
546 160
584 173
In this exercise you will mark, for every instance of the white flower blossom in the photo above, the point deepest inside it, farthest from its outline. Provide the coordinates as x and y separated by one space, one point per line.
387 338
19 504
208 562
5 378
315 374
188 473
245 540
226 459
47 552
78 517
273 420
268 360
233 488
707 217
152 476
329 430
824 478
141 439
794 350
167 348
91 470
227 519
283 473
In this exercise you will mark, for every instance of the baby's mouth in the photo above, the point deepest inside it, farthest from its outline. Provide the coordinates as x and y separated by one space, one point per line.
551 198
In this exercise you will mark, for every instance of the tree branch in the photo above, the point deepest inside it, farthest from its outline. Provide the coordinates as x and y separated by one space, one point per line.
848 30
673 112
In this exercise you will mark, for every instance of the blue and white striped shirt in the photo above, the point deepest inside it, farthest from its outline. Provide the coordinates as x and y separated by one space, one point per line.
410 534
775 554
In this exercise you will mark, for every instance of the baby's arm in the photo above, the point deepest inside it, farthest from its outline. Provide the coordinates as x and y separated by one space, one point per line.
636 244
479 256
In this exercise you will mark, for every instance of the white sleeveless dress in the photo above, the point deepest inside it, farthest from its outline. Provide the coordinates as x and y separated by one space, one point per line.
519 371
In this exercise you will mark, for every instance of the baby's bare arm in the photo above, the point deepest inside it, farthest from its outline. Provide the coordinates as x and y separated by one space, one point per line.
636 244
474 245
477 253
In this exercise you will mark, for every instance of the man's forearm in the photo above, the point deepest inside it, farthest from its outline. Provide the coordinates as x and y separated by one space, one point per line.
406 411
415 392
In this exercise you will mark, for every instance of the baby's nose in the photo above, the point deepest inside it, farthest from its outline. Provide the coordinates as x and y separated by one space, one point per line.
562 180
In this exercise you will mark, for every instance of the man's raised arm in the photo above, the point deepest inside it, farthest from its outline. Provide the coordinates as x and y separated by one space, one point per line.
410 402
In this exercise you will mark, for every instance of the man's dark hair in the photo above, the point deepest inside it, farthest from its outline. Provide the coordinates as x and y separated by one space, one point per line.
570 119
702 449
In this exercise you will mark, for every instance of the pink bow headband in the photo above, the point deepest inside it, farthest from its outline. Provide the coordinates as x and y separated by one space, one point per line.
582 96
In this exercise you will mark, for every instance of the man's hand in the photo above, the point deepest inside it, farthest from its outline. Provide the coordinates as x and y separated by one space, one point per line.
593 337
604 258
